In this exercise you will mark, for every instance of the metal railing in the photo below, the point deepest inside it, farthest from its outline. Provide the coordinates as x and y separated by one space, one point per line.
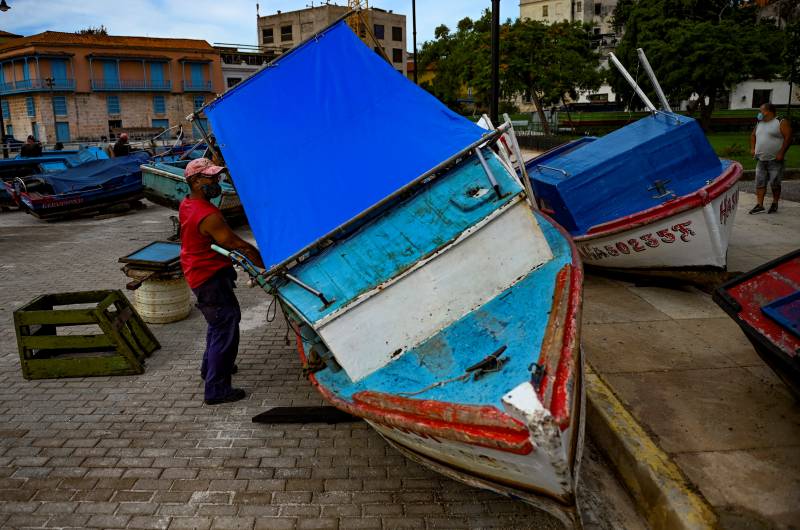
197 86
130 84
36 85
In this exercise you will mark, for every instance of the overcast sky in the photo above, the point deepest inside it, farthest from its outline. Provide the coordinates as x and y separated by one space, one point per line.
231 21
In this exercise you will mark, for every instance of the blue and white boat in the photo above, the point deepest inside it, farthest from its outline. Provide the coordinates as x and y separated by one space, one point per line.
427 294
652 195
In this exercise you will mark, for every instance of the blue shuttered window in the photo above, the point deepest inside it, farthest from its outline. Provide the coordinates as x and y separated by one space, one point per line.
196 72
157 75
112 104
60 105
159 105
62 131
198 102
31 106
6 111
110 74
35 131
160 124
10 130
59 69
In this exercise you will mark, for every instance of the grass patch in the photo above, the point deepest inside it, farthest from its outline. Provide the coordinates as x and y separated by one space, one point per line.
736 146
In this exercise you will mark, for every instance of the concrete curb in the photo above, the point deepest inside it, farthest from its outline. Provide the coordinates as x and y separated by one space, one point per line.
662 494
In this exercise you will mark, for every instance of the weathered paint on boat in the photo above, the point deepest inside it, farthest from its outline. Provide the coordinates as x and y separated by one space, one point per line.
164 184
751 301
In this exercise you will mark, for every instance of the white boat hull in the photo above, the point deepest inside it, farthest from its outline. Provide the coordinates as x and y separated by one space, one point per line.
694 238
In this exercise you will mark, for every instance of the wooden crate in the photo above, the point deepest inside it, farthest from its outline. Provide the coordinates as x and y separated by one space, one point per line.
120 347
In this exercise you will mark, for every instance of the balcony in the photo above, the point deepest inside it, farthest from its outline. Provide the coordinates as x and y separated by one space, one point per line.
37 85
195 86
130 85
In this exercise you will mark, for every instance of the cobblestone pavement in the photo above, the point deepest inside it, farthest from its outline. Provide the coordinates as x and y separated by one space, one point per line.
144 452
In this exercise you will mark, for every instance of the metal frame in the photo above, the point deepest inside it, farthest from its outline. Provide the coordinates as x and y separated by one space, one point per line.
656 85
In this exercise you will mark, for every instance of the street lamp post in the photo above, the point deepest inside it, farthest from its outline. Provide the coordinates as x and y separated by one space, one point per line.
495 95
50 82
414 26
3 7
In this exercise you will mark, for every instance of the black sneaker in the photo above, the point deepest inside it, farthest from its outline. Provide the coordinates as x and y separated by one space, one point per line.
757 209
235 394
773 208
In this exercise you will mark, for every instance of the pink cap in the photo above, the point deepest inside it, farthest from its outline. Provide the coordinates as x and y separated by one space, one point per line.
202 166
124 136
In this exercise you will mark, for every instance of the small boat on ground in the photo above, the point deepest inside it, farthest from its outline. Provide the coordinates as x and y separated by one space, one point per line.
427 294
84 190
765 303
48 162
164 184
652 195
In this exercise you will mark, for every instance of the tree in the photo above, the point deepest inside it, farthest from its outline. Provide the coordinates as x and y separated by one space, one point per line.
91 30
698 48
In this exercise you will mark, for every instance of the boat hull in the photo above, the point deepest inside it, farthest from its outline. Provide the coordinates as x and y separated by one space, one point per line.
747 298
669 238
52 207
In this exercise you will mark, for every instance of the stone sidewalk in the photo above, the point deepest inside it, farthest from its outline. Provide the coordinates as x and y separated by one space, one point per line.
144 452
689 375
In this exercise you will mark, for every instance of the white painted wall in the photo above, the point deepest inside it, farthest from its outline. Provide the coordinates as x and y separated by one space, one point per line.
742 94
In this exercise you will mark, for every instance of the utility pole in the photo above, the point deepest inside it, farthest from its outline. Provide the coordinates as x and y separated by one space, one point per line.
414 26
495 94
50 82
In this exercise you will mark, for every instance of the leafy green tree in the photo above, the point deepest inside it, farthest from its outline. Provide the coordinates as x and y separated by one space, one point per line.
700 47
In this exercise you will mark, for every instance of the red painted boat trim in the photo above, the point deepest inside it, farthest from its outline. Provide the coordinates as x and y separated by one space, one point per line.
484 426
697 199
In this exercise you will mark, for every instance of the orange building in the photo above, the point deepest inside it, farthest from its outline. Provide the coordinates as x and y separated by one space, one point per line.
84 87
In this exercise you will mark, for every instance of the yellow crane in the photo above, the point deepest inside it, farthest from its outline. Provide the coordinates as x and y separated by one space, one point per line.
359 22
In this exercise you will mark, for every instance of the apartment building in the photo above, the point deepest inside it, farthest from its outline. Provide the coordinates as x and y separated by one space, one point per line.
598 14
78 87
283 30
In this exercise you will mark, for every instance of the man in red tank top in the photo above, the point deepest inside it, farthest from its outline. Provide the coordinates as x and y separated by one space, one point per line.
212 278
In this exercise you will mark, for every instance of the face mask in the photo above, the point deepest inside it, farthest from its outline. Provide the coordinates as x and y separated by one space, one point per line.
212 190
760 116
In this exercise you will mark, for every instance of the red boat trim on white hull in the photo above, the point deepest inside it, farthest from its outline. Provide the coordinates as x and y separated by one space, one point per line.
690 231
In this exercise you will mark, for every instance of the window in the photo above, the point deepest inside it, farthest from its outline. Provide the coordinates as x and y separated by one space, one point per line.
579 7
112 126
267 36
233 81
112 104
397 55
597 8
160 124
544 11
760 96
10 130
35 130
6 111
31 106
286 33
397 33
199 101
378 29
597 31
60 105
558 11
159 105
157 75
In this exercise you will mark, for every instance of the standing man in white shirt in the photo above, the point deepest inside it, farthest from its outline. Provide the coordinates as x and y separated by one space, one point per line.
771 138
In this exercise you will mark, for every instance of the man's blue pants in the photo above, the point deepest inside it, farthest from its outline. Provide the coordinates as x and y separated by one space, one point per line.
218 303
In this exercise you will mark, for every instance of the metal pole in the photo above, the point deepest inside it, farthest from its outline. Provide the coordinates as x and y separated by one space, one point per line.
3 128
526 180
654 80
488 171
632 82
495 94
414 26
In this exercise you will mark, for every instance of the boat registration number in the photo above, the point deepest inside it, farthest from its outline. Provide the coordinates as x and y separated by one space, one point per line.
680 232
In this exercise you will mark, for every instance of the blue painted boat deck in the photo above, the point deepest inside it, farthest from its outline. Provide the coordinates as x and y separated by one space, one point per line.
516 319
593 181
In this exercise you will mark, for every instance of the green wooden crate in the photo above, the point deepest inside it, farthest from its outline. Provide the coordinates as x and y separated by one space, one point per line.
119 344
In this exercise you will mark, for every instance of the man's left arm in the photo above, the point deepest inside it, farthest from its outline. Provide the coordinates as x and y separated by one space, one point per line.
786 131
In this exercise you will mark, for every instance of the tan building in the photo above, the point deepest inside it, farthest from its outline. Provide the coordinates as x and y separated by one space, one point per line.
284 30
598 14
84 87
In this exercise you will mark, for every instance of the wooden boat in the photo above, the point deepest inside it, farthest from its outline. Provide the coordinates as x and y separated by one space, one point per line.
49 162
765 303
87 189
427 294
651 195
164 184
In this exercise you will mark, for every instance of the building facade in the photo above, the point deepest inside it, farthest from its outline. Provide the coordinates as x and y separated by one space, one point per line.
85 87
239 64
283 30
598 14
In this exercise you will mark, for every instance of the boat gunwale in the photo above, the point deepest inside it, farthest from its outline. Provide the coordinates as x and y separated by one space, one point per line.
697 199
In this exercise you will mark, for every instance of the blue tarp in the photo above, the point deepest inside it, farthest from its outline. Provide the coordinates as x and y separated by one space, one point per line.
609 177
108 172
324 133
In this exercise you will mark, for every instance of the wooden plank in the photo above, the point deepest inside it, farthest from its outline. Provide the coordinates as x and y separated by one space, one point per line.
325 414
80 297
62 317
88 366
66 341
